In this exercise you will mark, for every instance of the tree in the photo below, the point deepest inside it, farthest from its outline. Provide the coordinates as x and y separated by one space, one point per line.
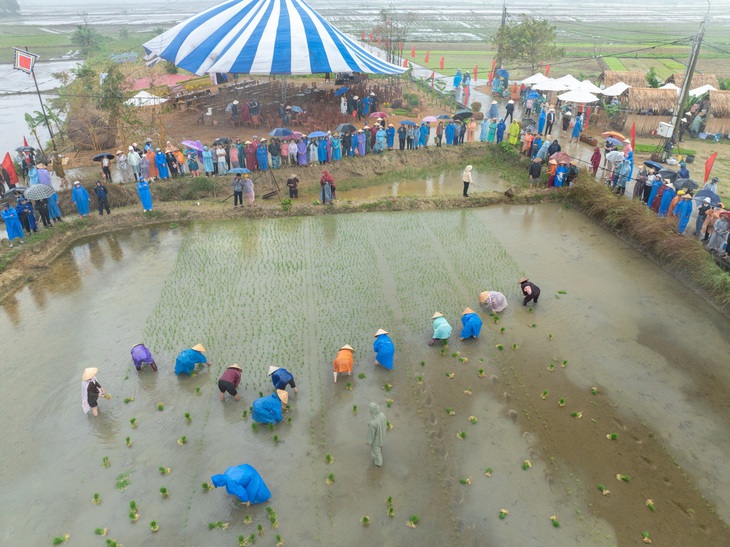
652 79
9 6
528 41
392 27
86 38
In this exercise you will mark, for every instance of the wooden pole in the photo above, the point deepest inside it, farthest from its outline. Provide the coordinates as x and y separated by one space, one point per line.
43 108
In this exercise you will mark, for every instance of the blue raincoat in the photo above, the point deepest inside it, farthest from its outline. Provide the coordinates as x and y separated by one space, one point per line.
654 189
161 163
187 359
423 135
472 325
244 482
390 136
54 211
484 127
336 148
379 140
27 210
501 127
560 173
449 132
281 377
145 196
385 350
441 328
262 157
81 198
207 160
683 210
267 410
493 111
457 78
12 223
667 198
321 151
541 122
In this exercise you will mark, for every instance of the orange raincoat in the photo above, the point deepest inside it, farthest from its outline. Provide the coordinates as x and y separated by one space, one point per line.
343 362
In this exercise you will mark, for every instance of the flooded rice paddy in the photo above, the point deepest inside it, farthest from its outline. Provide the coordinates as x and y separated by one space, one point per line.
289 292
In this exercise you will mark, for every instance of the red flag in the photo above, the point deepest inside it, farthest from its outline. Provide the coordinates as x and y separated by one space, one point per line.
708 165
413 52
433 75
387 43
362 36
547 70
587 118
378 41
540 69
400 46
491 73
633 135
370 36
441 63
10 168
426 59
476 68
25 141
405 63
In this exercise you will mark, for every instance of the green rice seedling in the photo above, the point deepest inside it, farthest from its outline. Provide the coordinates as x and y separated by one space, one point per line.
128 441
515 347
450 375
242 541
330 479
551 367
562 292
260 530
271 427
455 354
564 364
465 481
187 417
443 351
328 459
133 516
133 506
365 520
529 310
96 500
561 402
244 415
133 422
526 464
207 487
247 519
488 472
128 400
391 512
254 428
500 347
467 391
496 320
645 537
594 391
450 411
473 420
419 379
222 525
603 490
212 526
612 436
279 541
550 336
555 521
122 481
388 387
461 435
533 325
389 402
163 492
362 376
623 478
544 395
501 330
164 470
101 531
160 406
154 526
413 521
348 386
274 522
261 393
481 373
105 461
503 514
423 363
276 439
113 543
182 440
197 390
354 409
61 539
388 425
576 414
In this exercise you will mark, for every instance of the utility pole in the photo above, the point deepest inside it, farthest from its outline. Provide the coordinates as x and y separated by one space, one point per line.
682 99
504 22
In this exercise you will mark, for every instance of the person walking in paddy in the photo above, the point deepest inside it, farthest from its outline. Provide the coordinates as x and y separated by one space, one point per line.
377 426
529 290
90 391
467 179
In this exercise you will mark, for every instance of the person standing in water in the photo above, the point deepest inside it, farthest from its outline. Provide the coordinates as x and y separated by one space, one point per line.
441 328
281 378
90 391
142 356
529 290
384 349
494 300
229 382
344 361
377 426
189 358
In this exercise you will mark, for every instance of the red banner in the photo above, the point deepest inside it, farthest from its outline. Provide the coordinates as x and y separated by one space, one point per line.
425 60
400 46
10 168
587 118
413 52
708 165
476 70
405 63
25 141
441 63
362 36
433 76
387 43
370 36
491 72
378 41
633 135
547 70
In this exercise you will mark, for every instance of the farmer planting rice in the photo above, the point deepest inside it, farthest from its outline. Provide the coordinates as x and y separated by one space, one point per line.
344 361
188 359
529 290
229 382
472 324
494 300
384 349
441 328
244 482
377 427
282 378
142 356
267 410
90 391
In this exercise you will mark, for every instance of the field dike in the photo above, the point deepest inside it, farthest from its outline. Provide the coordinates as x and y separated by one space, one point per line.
195 199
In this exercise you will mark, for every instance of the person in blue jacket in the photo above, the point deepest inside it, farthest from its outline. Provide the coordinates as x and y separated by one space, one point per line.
161 163
423 132
390 136
244 482
441 328
281 378
262 155
80 197
267 410
667 197
449 132
26 214
472 324
12 223
656 183
541 121
501 128
683 211
145 196
187 359
384 349
54 211
457 78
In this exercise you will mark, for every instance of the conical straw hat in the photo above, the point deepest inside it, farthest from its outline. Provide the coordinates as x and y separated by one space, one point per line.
89 373
381 331
283 396
437 314
272 370
483 297
467 310
347 346
235 365
198 347
522 280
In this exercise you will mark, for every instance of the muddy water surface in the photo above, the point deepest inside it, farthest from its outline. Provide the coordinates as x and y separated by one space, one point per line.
290 292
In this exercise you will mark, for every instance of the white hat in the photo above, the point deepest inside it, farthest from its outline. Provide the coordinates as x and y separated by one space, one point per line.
372 94
131 148
89 373
77 182
235 102
437 314
684 120
510 102
381 331
494 102
707 200
272 370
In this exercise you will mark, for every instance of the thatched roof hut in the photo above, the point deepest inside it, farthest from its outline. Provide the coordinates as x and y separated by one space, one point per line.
698 80
648 98
719 120
633 78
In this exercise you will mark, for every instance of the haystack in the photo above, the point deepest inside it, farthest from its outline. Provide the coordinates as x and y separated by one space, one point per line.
632 78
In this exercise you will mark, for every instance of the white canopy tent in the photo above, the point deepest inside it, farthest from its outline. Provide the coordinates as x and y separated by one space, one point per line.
699 91
616 89
145 98
569 81
578 96
587 85
550 85
671 86
535 79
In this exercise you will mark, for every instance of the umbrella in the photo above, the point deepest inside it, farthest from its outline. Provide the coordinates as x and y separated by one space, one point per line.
616 89
341 91
615 156
263 37
443 117
145 98
297 134
222 140
463 114
315 134
656 165
345 128
408 122
615 142
195 145
24 149
714 198
578 96
561 157
569 81
587 85
39 191
100 157
668 174
550 85
378 115
535 79
431 119
687 184
613 134
532 94
502 73
281 132
237 170
15 192
297 109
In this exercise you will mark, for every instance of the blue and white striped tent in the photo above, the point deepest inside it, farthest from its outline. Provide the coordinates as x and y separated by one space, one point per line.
263 37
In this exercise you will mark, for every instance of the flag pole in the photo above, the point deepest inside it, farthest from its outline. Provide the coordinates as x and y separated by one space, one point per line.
43 108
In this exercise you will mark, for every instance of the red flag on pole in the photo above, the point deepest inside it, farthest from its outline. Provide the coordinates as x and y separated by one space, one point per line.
491 73
379 41
25 141
540 69
441 63
370 36
10 168
400 46
708 165
433 76
387 43
476 69
633 135
405 63
587 118
362 36
426 59
413 52
547 70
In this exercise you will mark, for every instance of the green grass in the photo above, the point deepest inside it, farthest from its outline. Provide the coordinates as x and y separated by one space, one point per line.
614 64
673 66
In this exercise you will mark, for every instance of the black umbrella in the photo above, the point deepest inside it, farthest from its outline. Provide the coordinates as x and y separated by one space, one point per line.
443 117
702 194
463 114
668 174
345 128
653 164
100 157
686 184
24 149
39 191
222 140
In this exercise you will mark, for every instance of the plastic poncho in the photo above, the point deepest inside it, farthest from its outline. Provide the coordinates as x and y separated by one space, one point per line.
262 157
267 410
483 131
81 198
472 325
377 426
336 148
683 211
207 160
54 211
244 482
656 183
133 160
457 78
514 132
12 223
441 328
187 359
44 177
302 152
542 153
25 210
141 356
384 351
281 377
32 175
560 174
161 164
501 128
667 198
390 136
423 132
379 140
449 132
576 128
343 361
493 111
492 135
145 196
541 121
321 151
